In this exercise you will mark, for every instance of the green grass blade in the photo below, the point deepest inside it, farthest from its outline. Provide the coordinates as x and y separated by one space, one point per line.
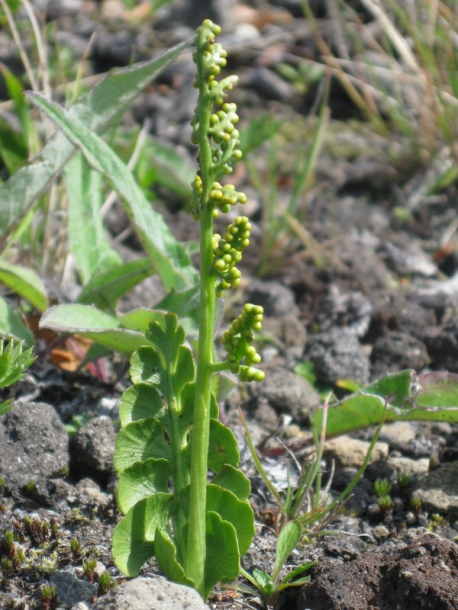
105 103
166 254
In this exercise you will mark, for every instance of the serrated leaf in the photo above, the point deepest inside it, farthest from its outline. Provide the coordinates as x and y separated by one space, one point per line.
223 448
104 104
138 442
223 559
88 240
140 401
235 511
169 257
134 535
13 363
233 480
104 289
166 337
142 480
25 282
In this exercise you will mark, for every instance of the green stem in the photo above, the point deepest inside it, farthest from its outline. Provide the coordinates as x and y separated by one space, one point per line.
196 548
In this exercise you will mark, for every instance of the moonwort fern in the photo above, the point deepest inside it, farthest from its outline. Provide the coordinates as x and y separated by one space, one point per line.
196 526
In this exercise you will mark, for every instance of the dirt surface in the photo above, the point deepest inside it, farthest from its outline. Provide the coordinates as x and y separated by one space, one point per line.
362 284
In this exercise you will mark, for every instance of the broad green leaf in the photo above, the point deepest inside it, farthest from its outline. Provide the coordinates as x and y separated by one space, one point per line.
223 558
139 319
166 556
397 397
138 442
287 541
142 480
11 325
140 401
233 480
146 366
94 324
263 579
104 289
167 255
223 448
88 240
133 536
25 282
235 511
101 107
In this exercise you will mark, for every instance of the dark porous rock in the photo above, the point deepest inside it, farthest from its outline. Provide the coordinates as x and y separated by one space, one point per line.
276 299
287 393
422 575
33 446
438 491
397 351
92 450
442 345
149 593
337 354
352 311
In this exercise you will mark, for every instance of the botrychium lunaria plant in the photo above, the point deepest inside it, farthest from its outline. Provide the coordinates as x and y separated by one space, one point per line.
197 527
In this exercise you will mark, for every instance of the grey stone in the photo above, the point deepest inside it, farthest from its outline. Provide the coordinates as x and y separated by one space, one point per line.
150 594
396 351
276 299
347 451
438 491
92 450
287 393
33 445
71 590
337 354
409 468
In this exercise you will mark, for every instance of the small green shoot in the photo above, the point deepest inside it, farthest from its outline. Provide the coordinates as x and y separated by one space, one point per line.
268 586
14 361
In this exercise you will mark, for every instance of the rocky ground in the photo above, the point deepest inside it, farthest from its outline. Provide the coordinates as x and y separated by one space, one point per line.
364 284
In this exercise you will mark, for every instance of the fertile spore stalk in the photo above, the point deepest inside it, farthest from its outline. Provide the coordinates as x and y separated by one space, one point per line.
217 139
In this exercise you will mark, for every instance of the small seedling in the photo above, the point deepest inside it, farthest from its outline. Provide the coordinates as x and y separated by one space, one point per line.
382 487
75 547
267 586
404 480
13 364
89 566
31 488
7 545
385 504
104 584
2 484
19 558
48 597
415 504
